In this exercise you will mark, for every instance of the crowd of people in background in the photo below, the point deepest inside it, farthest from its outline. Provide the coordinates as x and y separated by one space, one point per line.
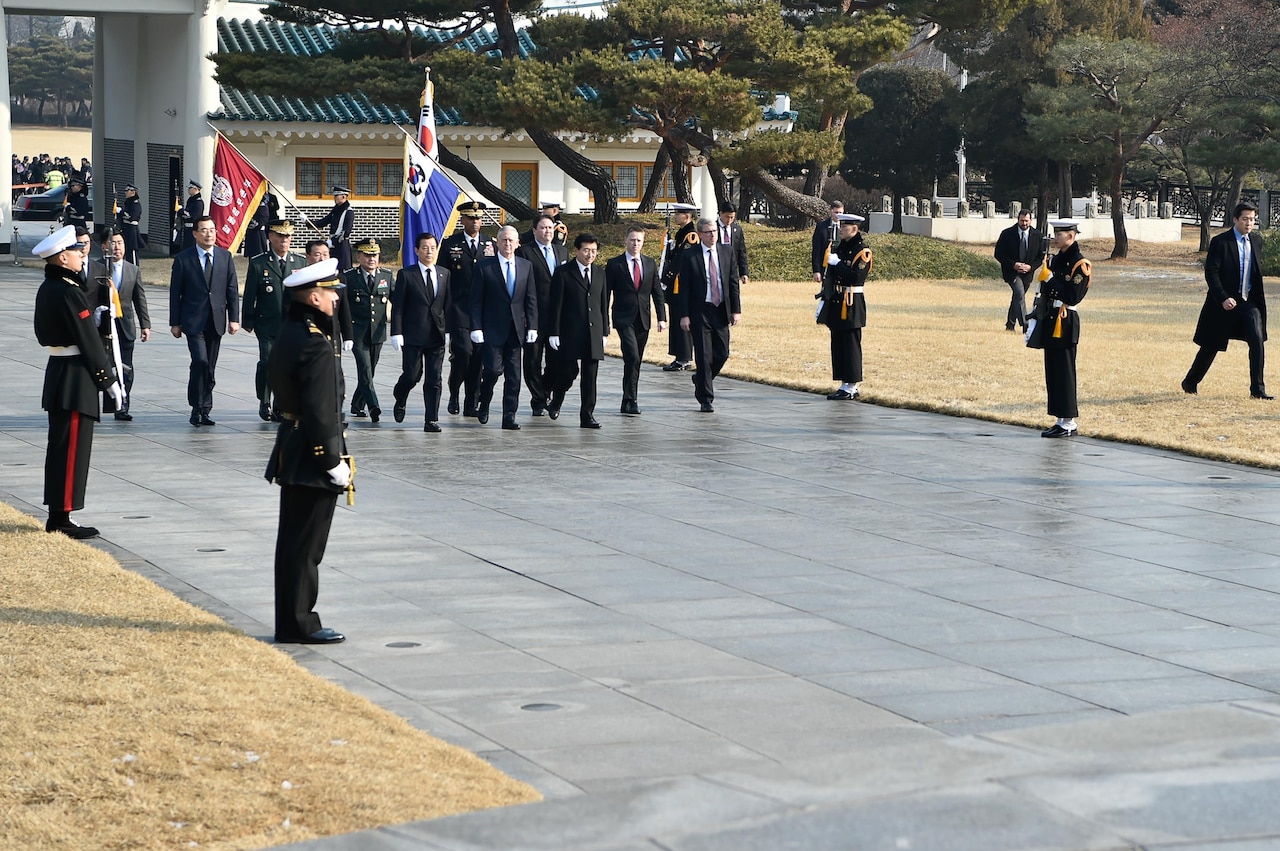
49 172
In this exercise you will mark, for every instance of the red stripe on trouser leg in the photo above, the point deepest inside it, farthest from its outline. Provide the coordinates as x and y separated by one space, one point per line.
72 447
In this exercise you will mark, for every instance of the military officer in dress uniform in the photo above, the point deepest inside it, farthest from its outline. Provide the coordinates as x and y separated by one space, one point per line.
459 253
77 208
309 459
1055 326
680 341
192 210
255 238
263 306
844 307
340 221
129 220
65 323
368 296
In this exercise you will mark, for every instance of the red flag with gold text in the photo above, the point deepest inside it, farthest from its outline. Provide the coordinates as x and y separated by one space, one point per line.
237 189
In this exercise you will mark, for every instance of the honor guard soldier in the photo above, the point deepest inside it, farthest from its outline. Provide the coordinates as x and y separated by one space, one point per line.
255 238
309 460
76 213
340 221
844 307
1055 326
78 368
679 340
192 210
550 209
263 306
129 220
368 295
460 253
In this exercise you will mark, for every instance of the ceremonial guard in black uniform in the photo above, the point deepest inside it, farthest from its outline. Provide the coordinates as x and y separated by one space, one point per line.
255 238
340 221
78 368
309 460
550 209
459 253
129 220
76 212
844 307
1055 326
262 308
192 210
368 295
679 340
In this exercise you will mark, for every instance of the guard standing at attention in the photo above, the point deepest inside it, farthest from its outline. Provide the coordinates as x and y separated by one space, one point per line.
192 210
1055 326
309 460
130 220
65 323
262 307
77 209
550 209
679 340
369 298
844 307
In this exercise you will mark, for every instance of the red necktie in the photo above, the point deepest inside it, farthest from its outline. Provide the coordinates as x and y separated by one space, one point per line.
635 271
713 273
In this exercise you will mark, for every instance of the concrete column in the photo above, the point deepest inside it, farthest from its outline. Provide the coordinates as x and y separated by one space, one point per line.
704 192
202 95
97 146
6 142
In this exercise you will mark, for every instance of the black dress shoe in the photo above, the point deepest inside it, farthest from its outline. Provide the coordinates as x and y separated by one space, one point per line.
432 428
124 416
553 411
676 366
1188 387
206 420
706 408
264 412
631 408
591 423
1058 431
1260 394
72 529
840 395
356 413
276 416
1008 326
510 425
194 419
482 417
320 636
398 412
539 412
375 414
453 403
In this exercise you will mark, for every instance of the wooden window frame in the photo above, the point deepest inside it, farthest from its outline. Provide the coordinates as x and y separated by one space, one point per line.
642 180
351 170
533 186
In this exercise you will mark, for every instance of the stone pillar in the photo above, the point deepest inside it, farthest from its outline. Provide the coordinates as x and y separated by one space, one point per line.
199 138
1106 205
1015 207
909 207
1139 209
1166 210
962 209
989 210
886 203
937 210
1152 209
1091 210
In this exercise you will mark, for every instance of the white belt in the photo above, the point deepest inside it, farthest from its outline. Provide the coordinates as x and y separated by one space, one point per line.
63 351
852 289
1057 303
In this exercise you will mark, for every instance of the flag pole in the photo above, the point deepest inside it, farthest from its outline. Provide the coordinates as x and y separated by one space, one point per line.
276 189
426 154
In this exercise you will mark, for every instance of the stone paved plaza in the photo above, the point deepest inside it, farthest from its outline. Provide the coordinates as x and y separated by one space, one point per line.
789 624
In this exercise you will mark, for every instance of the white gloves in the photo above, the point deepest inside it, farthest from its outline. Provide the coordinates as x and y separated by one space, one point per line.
348 345
532 336
604 341
397 341
477 337
340 475
1031 327
554 342
116 392
329 242
302 217
99 312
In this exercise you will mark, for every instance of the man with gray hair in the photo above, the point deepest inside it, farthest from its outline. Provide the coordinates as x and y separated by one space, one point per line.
504 316
706 305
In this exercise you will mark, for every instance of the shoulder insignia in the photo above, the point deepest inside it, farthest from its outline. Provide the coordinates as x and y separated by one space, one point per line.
865 259
1083 265
314 330
84 314
691 237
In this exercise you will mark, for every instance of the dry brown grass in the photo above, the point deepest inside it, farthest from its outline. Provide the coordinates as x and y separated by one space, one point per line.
133 720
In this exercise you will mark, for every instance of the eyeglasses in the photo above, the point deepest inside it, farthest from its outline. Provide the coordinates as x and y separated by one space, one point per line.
707 231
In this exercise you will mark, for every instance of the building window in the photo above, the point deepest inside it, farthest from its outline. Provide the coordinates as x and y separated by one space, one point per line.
521 180
367 179
632 178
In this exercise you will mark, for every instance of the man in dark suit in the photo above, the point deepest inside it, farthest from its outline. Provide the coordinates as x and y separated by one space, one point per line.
419 321
708 303
1019 255
78 368
134 320
729 232
504 316
631 279
577 327
545 256
459 253
264 304
1235 307
368 297
826 236
204 303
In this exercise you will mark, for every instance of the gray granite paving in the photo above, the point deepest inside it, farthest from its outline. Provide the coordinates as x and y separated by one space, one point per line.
790 624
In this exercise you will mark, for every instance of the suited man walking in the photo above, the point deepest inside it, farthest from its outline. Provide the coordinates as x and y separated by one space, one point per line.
1235 307
631 280
504 316
264 303
419 321
134 321
729 232
577 326
368 297
708 303
545 255
826 236
1018 253
204 304
460 252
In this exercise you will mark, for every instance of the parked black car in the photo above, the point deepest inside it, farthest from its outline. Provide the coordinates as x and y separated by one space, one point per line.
45 207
